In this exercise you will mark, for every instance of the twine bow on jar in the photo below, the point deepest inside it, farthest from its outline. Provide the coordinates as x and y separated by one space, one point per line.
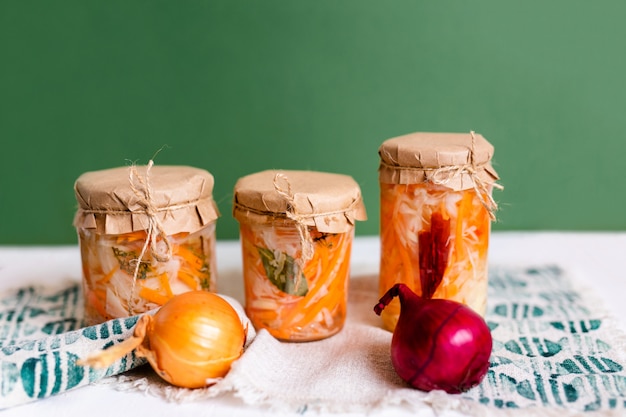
443 176
283 188
143 190
450 175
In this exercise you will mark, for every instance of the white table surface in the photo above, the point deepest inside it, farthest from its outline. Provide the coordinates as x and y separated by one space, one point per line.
596 260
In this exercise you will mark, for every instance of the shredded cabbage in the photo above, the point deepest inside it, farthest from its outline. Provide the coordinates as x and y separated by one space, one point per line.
109 263
407 210
321 311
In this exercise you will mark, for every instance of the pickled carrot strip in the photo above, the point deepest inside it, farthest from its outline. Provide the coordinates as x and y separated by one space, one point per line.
131 236
153 296
321 281
164 282
189 257
107 277
310 269
188 279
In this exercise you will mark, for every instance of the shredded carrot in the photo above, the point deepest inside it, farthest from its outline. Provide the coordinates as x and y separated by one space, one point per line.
189 256
107 277
165 285
154 296
188 279
406 213
292 317
139 235
109 263
331 301
323 281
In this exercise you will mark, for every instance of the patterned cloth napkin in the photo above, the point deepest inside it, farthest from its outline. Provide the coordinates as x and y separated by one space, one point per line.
556 352
41 339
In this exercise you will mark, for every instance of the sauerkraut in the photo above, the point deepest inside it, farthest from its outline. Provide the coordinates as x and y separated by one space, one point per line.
295 302
435 240
111 289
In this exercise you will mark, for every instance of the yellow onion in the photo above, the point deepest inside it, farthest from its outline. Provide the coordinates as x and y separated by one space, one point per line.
192 340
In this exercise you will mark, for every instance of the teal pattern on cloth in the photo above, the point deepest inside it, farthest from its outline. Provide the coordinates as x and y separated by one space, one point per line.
553 347
41 338
556 352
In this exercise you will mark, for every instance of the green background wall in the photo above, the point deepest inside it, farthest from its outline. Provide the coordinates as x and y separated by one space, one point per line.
240 86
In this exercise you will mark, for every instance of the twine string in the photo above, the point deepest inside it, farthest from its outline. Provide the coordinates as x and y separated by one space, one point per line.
143 190
283 188
480 187
169 208
350 208
443 176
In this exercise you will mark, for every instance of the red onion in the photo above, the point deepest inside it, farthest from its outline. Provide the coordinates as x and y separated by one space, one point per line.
437 343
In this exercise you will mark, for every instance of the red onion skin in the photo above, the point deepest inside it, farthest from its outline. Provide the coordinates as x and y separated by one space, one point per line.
437 344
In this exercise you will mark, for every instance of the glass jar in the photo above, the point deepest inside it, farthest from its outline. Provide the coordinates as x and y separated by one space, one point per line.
145 234
296 230
436 210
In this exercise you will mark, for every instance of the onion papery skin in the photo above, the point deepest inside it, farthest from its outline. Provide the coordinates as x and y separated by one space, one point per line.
194 338
438 344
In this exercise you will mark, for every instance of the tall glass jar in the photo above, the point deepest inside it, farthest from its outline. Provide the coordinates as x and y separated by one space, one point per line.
296 230
145 234
436 210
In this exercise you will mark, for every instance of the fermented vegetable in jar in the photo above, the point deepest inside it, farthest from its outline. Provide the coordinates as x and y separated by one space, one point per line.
146 234
436 208
296 230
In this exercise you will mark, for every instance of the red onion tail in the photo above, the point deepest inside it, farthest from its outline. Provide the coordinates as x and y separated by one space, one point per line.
384 301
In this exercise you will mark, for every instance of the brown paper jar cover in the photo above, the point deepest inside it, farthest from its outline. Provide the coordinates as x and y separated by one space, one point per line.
181 196
447 158
330 202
